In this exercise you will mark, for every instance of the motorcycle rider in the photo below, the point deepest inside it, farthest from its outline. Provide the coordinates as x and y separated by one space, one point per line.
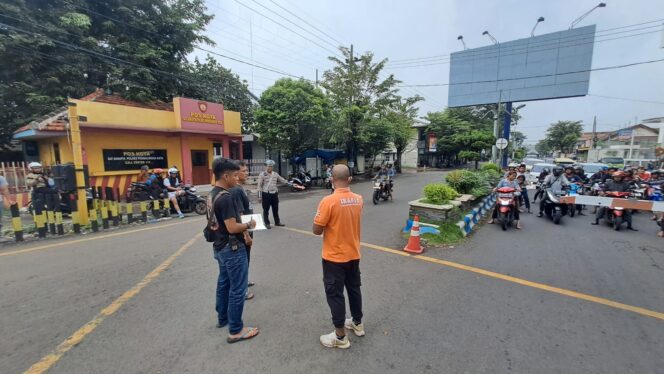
581 179
616 184
510 168
384 176
172 185
601 175
556 182
144 174
540 192
643 174
510 181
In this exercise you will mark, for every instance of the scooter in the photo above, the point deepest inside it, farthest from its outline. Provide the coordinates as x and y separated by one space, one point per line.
615 216
382 190
506 205
189 201
300 182
553 208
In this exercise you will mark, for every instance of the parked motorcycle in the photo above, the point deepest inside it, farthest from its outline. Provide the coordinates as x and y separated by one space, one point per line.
506 204
382 189
143 192
65 208
553 208
300 182
190 201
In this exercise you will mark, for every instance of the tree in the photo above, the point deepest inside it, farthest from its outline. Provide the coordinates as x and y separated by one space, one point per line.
543 147
358 97
460 129
402 117
563 135
59 48
228 88
291 115
518 138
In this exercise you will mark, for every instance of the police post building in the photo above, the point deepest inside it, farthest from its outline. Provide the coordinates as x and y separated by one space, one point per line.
118 136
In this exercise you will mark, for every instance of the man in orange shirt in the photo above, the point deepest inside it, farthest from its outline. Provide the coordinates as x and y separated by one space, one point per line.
338 219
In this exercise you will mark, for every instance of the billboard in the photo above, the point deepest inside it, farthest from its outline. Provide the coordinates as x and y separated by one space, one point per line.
548 66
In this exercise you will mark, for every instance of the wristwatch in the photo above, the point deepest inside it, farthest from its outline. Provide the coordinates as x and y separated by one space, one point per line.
248 226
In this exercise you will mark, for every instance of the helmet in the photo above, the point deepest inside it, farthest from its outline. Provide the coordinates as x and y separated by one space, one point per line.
158 171
145 167
269 163
522 164
603 168
33 165
619 173
546 171
512 165
578 168
569 167
557 171
172 171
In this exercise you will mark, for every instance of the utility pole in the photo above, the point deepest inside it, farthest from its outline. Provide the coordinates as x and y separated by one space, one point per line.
496 116
316 78
592 140
631 144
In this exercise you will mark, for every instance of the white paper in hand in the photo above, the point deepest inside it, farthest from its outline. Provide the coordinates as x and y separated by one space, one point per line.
260 225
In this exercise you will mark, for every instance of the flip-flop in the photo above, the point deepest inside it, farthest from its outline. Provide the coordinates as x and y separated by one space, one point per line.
251 284
244 336
249 296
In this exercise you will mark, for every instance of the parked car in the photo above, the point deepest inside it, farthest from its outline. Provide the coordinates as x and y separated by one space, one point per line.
591 168
564 161
537 169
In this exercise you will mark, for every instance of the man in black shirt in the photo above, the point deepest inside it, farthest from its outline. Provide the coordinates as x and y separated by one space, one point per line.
229 246
244 206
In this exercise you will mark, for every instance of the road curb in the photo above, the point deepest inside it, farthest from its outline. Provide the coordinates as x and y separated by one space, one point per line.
471 219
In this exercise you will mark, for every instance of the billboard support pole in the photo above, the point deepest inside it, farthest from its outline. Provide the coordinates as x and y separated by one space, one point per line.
506 130
77 150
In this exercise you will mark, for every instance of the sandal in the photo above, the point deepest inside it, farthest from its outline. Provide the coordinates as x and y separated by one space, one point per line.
249 296
490 221
251 332
518 226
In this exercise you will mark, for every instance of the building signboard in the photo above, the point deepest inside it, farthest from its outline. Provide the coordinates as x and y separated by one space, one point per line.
201 115
133 159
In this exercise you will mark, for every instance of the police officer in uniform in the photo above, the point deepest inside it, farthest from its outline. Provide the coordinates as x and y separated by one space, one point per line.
268 193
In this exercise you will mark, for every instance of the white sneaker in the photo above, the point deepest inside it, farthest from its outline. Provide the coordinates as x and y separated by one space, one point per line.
331 341
357 329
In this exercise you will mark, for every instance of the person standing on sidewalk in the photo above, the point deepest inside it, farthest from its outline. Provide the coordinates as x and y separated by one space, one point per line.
244 205
338 220
268 193
5 199
230 241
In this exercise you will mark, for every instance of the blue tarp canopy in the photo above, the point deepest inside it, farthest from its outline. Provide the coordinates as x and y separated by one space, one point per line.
328 155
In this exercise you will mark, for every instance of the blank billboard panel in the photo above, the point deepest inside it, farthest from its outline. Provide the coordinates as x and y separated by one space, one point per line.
549 66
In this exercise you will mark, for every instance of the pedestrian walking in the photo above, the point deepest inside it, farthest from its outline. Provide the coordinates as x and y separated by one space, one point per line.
338 220
268 193
244 205
230 238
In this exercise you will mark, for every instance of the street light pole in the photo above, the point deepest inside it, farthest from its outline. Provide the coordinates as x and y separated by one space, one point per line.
584 15
490 37
460 38
532 33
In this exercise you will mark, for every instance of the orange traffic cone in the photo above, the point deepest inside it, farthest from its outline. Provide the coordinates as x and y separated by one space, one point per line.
413 245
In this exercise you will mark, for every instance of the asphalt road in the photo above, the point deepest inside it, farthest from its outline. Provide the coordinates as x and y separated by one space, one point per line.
143 301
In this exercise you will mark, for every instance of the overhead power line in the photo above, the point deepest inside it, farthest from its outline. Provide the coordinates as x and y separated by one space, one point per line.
309 24
627 99
539 76
256 65
286 27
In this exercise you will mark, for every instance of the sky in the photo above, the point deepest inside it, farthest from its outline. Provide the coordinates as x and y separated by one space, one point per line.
295 37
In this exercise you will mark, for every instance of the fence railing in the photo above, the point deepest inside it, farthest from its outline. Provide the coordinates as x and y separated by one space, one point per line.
14 173
256 166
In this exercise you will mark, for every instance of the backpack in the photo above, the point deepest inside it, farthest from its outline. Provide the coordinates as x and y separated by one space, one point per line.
212 227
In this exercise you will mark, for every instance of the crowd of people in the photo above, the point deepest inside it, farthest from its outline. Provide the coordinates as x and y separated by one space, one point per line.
561 178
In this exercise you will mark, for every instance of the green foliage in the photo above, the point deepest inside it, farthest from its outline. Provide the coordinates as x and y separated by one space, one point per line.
561 136
464 180
491 166
228 88
39 72
480 191
439 193
461 133
450 233
490 177
358 97
291 116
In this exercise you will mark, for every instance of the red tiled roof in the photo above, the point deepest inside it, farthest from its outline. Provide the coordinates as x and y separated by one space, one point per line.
99 96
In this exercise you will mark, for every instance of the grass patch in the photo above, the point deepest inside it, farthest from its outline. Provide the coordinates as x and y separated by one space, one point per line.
450 233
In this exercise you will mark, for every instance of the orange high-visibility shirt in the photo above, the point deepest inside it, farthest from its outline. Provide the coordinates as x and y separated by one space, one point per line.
340 214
